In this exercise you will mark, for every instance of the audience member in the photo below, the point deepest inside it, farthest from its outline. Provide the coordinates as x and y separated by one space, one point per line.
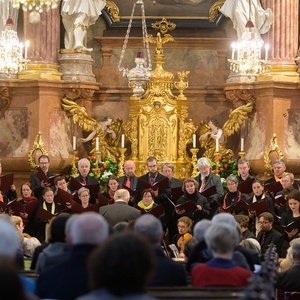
121 269
207 179
120 211
168 272
184 225
289 280
221 270
253 247
38 185
243 221
52 254
68 280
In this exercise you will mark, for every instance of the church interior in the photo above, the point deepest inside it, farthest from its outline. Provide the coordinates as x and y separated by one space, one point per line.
63 95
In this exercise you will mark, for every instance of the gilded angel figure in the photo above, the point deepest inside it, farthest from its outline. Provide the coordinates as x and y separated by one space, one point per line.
212 131
108 132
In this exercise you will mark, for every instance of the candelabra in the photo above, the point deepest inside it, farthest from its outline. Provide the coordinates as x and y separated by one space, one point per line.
37 5
246 58
11 52
242 154
217 161
121 162
194 152
74 169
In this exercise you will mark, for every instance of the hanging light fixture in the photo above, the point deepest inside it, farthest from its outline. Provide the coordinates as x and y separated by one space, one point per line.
140 74
11 52
37 5
246 58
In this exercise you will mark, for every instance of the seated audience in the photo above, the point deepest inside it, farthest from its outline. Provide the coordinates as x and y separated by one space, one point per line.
69 279
184 225
253 247
167 272
113 277
243 221
287 262
289 280
52 254
221 270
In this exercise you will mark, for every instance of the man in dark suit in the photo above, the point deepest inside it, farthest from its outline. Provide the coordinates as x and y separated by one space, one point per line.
38 185
244 168
120 211
207 179
152 177
268 234
168 272
69 279
289 280
84 178
129 179
167 169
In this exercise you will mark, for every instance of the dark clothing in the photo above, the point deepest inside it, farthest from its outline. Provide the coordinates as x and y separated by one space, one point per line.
36 186
69 279
272 179
162 193
286 219
240 179
212 180
247 234
289 280
168 272
175 183
275 237
196 215
233 199
133 181
36 254
120 211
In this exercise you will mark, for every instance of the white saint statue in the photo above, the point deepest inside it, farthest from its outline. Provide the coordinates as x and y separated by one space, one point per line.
77 17
5 9
240 10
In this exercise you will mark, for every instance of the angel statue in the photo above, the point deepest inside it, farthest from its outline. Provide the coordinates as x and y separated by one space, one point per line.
108 132
212 131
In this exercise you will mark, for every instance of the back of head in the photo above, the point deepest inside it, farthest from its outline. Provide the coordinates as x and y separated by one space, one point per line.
150 227
123 264
295 249
121 194
252 244
224 218
88 228
200 228
57 228
9 240
221 238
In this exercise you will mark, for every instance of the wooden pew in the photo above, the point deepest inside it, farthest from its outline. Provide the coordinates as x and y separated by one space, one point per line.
202 293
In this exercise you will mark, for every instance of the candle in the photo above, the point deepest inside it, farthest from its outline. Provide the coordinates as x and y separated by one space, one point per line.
122 140
194 141
21 51
74 143
97 144
26 49
267 49
242 145
233 50
217 145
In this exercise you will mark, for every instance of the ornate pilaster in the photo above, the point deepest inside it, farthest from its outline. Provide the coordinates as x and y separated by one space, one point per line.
283 40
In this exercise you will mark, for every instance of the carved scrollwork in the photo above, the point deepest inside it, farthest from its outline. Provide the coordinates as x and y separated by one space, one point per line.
214 10
79 94
113 10
36 151
240 97
272 149
5 100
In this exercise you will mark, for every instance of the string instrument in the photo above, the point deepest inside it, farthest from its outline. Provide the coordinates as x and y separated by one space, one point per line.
182 240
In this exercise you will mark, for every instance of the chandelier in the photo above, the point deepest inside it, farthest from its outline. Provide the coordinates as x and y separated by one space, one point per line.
37 5
246 57
140 74
11 52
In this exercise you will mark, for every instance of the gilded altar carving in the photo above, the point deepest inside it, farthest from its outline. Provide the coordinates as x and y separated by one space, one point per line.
5 100
240 97
36 151
157 124
273 148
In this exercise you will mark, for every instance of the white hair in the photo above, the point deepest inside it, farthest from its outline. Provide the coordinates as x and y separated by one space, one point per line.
9 240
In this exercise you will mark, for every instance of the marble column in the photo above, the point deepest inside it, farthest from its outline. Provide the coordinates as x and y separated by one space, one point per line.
44 38
283 40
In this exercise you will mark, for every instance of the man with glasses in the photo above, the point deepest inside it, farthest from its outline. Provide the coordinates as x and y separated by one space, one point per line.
268 235
151 178
38 185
